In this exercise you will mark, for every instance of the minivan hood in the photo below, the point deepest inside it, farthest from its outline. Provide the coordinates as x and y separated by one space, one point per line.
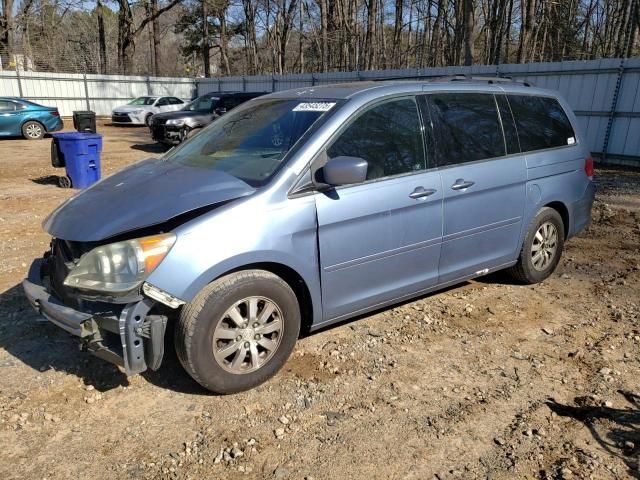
147 193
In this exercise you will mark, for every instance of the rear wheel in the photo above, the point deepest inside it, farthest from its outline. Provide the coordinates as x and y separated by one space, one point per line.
33 130
238 331
541 249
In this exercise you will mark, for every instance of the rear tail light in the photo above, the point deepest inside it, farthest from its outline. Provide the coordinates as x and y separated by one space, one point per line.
55 113
588 167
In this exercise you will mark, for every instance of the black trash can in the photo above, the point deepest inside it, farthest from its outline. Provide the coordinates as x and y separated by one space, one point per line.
84 121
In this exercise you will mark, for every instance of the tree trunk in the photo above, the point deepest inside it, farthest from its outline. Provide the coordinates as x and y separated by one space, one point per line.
6 33
102 43
397 34
224 41
155 34
324 44
468 32
206 44
369 39
125 37
250 18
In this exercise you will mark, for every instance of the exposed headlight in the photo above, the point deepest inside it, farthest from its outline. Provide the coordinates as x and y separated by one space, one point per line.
122 266
178 122
137 111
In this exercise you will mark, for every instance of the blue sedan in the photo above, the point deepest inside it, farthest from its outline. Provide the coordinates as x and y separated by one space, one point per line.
20 117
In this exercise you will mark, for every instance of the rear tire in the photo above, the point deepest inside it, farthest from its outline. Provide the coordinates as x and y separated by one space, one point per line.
33 130
542 248
238 331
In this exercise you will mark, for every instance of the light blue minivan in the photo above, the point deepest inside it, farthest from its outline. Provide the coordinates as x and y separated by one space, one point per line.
305 207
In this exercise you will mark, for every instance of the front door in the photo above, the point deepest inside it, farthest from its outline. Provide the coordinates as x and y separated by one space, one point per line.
483 187
380 240
9 118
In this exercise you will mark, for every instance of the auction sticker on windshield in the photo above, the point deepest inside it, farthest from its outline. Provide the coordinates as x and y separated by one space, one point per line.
314 106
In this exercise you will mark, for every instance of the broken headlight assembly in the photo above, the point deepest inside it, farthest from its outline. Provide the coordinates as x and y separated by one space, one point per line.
118 268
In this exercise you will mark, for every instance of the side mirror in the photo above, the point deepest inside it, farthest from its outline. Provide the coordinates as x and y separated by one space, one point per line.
345 170
220 111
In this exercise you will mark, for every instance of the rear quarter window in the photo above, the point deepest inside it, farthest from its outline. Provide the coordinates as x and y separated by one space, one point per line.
541 122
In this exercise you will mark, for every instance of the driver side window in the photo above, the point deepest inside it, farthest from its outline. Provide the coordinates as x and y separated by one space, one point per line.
388 136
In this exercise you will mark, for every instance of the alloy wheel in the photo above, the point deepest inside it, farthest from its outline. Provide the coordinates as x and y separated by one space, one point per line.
34 130
545 246
248 335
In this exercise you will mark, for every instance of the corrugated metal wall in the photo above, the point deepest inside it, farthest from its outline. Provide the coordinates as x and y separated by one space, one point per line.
100 93
603 93
588 86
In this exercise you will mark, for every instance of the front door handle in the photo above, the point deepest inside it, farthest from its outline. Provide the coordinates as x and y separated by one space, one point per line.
421 192
461 184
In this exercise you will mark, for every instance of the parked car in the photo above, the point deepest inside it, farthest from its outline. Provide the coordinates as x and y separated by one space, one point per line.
20 117
174 127
308 207
139 110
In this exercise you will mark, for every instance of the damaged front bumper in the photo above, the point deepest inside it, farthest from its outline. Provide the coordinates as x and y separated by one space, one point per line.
126 335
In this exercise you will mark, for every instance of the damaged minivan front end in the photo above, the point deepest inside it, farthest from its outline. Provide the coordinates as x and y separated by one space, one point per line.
92 282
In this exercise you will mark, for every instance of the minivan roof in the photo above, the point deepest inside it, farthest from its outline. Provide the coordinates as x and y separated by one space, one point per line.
387 87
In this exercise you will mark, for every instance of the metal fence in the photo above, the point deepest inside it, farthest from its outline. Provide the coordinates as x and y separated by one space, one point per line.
100 93
603 93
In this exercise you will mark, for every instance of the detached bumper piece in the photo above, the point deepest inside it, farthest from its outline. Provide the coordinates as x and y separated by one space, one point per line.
131 338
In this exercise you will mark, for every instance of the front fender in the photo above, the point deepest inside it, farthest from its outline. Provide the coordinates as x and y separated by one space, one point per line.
241 234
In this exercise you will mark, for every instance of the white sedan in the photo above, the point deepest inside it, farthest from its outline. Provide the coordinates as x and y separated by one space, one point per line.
139 110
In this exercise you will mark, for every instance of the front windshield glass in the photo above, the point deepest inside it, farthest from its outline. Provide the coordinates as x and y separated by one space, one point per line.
142 101
251 142
202 104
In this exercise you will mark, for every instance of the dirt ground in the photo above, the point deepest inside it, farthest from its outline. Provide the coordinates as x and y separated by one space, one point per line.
485 380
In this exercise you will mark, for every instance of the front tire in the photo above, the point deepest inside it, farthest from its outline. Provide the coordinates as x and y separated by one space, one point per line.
33 130
238 331
542 248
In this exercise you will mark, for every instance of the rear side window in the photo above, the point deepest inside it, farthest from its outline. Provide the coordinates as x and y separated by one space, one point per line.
6 106
232 102
388 136
466 127
541 122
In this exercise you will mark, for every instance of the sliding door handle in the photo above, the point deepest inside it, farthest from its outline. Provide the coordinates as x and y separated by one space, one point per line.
461 184
421 192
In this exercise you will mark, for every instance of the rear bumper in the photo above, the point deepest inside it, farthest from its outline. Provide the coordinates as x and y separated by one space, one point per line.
129 337
580 211
54 127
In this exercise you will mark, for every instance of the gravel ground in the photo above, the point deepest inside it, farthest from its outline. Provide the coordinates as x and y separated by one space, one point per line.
485 380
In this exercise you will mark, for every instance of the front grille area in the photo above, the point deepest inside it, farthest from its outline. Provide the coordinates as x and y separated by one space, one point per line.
61 259
121 118
157 132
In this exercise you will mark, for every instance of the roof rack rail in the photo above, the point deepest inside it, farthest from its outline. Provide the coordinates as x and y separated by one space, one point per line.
457 78
488 79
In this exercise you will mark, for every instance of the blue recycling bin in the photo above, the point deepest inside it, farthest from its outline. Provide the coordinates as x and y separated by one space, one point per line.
80 154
